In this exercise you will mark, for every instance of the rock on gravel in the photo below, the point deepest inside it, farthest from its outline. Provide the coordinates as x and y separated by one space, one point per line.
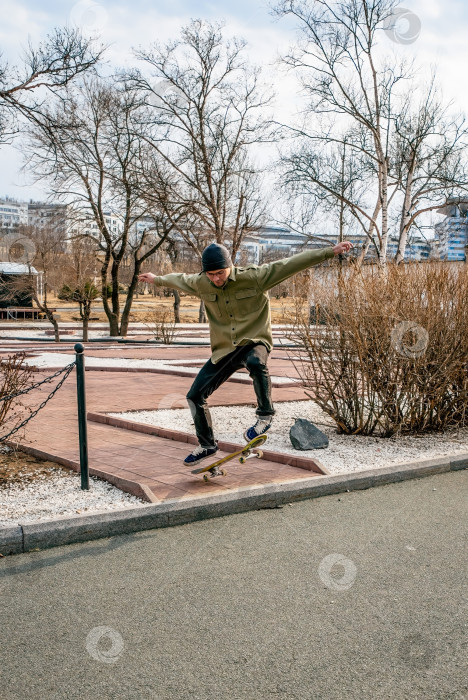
345 453
304 435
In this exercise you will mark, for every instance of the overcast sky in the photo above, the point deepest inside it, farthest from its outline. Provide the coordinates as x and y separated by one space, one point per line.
442 41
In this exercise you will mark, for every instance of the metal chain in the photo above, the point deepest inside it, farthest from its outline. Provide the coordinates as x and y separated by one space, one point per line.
34 386
67 371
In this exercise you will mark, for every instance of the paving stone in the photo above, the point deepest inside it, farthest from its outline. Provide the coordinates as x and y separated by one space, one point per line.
147 460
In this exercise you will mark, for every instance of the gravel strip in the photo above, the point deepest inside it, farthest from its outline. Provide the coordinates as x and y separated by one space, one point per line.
345 453
58 496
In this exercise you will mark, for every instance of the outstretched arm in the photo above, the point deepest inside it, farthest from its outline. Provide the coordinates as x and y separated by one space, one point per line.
175 280
273 273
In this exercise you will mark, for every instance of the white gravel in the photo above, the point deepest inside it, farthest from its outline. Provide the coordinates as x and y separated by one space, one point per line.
345 453
58 496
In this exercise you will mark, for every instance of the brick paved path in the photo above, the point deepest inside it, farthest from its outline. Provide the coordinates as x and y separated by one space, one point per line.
155 463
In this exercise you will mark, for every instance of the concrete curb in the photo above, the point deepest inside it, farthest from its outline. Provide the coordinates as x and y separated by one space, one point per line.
26 537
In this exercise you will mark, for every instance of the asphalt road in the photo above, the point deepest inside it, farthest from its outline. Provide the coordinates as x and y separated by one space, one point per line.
360 596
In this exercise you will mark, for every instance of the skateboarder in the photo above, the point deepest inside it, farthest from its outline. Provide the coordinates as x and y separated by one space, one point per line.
238 311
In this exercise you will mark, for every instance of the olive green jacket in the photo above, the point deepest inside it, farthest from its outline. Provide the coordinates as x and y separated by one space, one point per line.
239 312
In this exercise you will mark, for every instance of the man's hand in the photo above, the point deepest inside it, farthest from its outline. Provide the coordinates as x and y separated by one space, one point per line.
147 277
343 247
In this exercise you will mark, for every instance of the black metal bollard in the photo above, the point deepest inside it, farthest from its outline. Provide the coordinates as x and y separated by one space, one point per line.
82 427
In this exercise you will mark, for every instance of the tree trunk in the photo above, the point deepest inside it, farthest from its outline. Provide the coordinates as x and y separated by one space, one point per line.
86 313
384 220
201 312
56 331
112 317
176 294
405 219
115 299
125 319
45 310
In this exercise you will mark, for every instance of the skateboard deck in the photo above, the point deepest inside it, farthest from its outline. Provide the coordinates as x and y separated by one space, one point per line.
247 452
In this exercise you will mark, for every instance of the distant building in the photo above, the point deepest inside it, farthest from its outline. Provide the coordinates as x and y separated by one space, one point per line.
41 214
417 249
10 272
12 213
451 234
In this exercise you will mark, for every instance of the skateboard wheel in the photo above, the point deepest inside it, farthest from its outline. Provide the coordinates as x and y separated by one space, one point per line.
259 454
206 477
223 472
242 460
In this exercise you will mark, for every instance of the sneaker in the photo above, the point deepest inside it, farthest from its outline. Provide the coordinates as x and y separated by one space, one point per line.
260 427
199 454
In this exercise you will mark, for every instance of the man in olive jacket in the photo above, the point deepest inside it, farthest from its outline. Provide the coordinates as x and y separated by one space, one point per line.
238 311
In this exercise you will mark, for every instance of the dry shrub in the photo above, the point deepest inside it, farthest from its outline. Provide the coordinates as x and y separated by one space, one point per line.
15 376
161 324
391 352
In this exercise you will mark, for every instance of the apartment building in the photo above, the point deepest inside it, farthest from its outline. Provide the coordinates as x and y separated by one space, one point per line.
451 234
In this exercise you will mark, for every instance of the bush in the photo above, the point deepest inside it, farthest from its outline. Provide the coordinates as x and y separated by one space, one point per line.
161 324
15 376
392 353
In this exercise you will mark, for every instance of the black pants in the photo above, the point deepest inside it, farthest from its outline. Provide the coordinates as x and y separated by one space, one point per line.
254 358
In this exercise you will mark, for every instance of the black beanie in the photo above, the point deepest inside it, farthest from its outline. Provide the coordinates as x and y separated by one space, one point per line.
216 257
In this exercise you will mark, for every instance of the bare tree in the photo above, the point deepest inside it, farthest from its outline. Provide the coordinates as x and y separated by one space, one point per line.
324 187
79 283
92 154
206 111
24 90
430 163
365 100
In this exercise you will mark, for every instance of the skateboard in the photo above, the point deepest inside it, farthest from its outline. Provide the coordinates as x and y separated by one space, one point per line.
248 452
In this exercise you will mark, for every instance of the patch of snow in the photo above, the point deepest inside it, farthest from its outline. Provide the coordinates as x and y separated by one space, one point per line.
58 359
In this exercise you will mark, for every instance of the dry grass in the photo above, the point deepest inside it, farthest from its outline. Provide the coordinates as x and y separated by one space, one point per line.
17 467
146 303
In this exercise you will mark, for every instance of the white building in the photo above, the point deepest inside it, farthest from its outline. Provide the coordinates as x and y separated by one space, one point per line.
12 213
451 234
